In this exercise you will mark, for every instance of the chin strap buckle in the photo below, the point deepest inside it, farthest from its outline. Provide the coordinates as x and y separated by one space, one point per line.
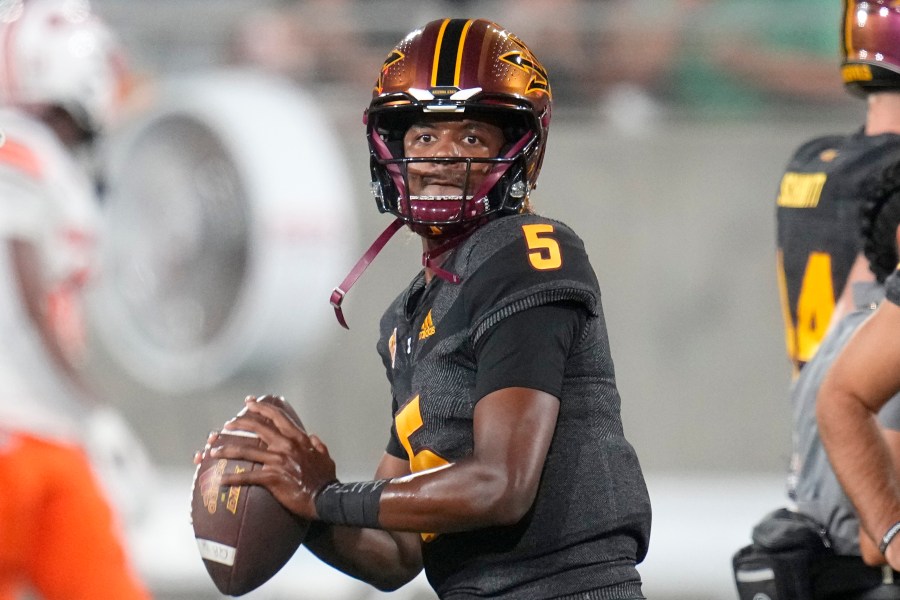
337 297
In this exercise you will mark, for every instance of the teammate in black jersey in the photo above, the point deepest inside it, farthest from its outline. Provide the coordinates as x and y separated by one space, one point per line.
818 199
821 242
507 473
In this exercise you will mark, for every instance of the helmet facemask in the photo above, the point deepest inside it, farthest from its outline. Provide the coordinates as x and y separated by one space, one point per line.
490 186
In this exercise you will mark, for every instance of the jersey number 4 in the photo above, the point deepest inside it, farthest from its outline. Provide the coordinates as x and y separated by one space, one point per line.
815 304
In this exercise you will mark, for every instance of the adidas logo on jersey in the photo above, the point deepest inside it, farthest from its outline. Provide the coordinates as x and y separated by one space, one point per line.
427 327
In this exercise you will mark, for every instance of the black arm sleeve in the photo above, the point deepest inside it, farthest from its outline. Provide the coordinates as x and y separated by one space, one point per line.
529 349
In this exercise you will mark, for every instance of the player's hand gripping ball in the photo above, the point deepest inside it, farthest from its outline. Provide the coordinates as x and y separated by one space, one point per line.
243 533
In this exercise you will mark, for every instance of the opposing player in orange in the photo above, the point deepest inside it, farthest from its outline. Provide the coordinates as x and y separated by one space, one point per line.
60 80
506 471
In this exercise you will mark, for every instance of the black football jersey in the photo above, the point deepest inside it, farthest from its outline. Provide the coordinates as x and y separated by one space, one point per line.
892 287
590 522
818 226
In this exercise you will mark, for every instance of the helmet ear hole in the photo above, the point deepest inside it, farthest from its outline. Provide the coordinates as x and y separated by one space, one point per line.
511 192
384 188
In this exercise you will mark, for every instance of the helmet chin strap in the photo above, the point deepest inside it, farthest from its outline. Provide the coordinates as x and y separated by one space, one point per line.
428 257
337 296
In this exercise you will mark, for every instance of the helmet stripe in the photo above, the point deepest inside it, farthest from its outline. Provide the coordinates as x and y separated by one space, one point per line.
437 51
848 27
459 52
448 52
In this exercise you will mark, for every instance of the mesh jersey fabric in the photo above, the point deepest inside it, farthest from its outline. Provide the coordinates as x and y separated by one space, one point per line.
590 522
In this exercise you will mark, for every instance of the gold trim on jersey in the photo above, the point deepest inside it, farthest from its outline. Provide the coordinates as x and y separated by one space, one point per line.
801 190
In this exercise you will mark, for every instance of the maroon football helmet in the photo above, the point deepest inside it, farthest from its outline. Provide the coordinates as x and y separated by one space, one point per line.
871 45
478 70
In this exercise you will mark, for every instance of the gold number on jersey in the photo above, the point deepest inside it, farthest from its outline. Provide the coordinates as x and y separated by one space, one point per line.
815 305
407 422
543 252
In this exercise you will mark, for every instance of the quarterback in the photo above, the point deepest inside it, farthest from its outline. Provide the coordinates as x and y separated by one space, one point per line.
506 473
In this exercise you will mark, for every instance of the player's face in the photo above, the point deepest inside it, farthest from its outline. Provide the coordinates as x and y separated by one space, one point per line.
450 137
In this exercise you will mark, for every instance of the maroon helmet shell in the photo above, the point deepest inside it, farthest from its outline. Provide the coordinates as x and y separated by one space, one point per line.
470 67
871 45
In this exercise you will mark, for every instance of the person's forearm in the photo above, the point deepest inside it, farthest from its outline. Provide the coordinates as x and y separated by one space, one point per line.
383 559
860 459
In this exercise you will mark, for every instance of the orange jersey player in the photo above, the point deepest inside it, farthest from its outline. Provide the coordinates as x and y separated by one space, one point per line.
59 535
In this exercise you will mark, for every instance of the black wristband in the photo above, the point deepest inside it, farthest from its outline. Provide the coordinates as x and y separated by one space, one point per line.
356 504
888 537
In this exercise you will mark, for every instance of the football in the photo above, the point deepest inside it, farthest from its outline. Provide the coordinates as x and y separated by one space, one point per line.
244 534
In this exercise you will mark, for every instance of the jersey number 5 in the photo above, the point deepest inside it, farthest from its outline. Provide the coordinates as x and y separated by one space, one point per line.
407 422
543 251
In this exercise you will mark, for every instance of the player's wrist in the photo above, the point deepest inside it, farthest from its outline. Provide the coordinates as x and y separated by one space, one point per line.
888 537
355 504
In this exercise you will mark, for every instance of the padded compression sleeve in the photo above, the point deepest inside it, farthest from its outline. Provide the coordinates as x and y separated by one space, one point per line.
529 349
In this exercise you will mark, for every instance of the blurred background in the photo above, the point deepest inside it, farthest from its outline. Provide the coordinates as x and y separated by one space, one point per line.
237 196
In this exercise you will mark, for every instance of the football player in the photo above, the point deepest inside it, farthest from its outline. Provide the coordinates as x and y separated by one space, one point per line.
863 388
60 80
812 220
818 199
838 557
507 473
